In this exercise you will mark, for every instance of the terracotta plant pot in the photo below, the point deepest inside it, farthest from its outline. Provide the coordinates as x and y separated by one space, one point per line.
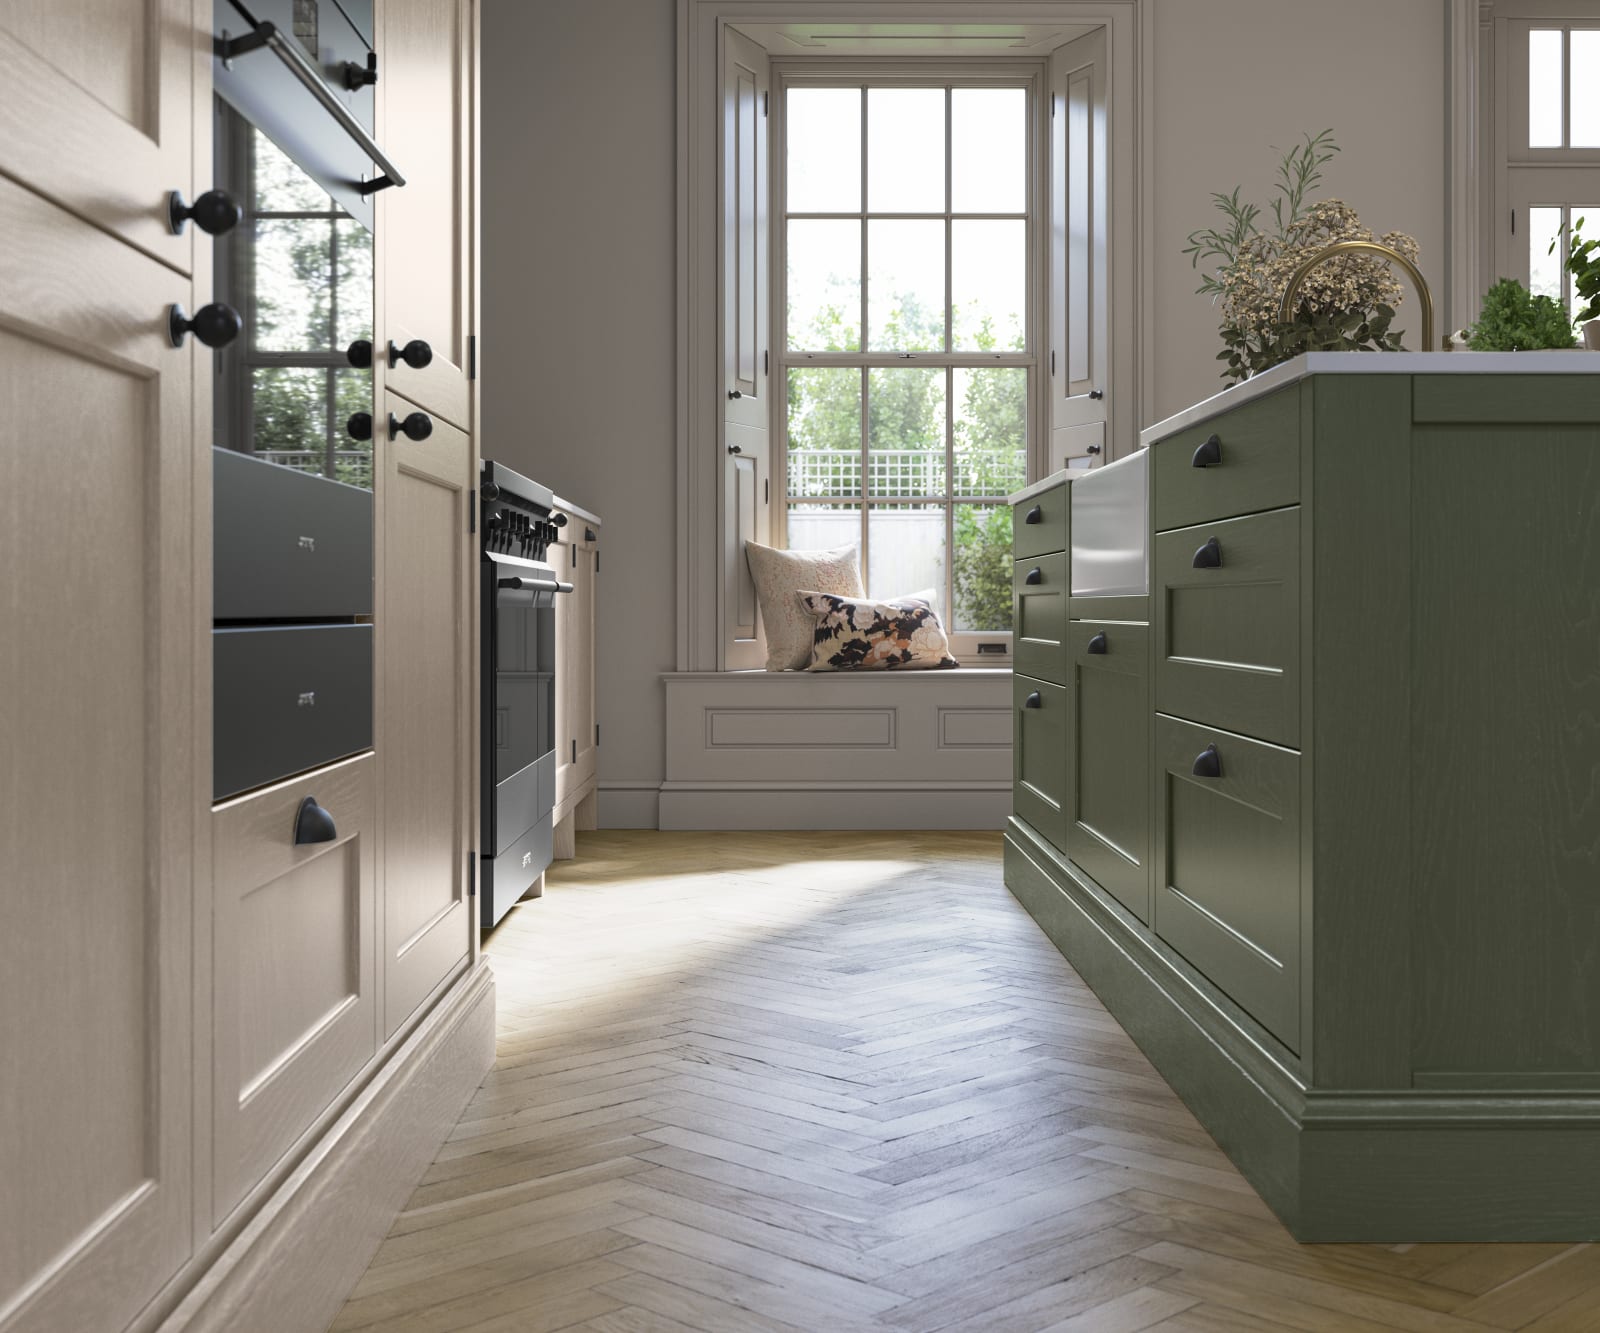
1591 335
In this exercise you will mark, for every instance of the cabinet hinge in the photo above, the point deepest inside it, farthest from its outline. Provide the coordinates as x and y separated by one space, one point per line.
1513 222
766 103
472 356
597 735
597 562
472 872
574 749
472 510
766 490
574 549
1052 360
766 363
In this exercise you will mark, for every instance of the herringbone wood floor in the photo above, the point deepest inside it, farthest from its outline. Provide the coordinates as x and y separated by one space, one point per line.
839 1081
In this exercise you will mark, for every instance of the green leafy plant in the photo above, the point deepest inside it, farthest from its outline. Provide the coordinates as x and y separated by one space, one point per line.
1515 320
1346 304
1583 262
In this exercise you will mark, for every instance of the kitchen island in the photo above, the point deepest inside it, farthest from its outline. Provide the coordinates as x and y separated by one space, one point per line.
1361 938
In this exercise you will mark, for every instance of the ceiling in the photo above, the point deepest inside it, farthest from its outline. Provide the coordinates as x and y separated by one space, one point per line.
913 39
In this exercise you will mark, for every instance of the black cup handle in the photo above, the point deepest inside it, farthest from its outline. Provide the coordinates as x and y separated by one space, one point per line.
1208 763
1034 515
1034 700
1034 576
1098 644
1209 454
313 824
1209 556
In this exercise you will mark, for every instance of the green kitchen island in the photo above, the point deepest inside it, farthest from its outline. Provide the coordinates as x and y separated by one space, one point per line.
1347 896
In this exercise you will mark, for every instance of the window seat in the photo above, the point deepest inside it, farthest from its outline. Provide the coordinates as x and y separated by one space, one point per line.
845 750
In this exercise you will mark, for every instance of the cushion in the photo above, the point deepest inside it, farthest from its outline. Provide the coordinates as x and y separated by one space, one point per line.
779 576
854 634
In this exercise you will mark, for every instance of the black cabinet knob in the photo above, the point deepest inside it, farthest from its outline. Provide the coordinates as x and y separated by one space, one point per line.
735 449
1097 645
1034 700
416 426
1034 515
360 426
313 824
361 76
1208 763
1097 394
735 393
560 520
415 354
1034 576
1209 556
1092 449
214 212
216 325
359 354
1209 454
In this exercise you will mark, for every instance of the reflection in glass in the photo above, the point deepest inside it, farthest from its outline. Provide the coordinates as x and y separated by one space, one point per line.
1544 268
905 150
981 574
824 431
1584 113
824 286
990 430
1546 92
905 552
279 185
814 527
988 150
989 285
905 431
824 150
293 290
905 285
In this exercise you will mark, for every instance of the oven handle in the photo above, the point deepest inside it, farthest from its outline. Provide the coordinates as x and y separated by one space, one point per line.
266 34
536 585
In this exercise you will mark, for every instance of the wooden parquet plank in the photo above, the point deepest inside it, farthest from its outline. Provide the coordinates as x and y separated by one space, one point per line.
819 1083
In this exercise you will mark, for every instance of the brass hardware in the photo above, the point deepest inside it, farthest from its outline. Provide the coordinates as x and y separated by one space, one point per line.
1424 296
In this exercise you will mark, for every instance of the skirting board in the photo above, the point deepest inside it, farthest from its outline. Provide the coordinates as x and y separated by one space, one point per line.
1386 1167
865 806
629 804
294 1265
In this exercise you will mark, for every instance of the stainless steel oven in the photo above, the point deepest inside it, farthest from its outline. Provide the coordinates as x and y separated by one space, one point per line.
519 591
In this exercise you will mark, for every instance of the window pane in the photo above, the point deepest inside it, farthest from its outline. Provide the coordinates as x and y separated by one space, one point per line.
989 286
988 150
292 258
825 431
290 408
905 286
905 432
823 527
905 150
905 552
990 430
352 460
1589 215
981 575
824 286
1585 111
824 134
1545 92
280 185
355 283
1544 268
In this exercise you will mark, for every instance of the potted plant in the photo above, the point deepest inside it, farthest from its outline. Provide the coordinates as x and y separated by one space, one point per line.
1515 320
1583 263
1346 304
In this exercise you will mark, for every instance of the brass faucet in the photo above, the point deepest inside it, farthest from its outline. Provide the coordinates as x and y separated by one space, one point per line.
1424 296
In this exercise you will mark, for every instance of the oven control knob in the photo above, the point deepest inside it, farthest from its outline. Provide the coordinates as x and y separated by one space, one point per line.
216 325
415 354
214 212
416 426
360 426
359 354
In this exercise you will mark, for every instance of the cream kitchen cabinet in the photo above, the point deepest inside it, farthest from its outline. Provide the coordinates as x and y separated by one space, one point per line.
576 557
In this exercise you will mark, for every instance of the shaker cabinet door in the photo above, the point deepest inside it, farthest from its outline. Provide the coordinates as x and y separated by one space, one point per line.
425 226
98 782
426 724
116 83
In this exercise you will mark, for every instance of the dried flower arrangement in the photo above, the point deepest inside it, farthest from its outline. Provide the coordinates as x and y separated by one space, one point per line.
1346 304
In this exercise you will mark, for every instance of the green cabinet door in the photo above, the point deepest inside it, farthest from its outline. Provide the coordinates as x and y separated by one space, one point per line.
1239 462
1039 757
1040 525
1108 783
1040 588
1228 866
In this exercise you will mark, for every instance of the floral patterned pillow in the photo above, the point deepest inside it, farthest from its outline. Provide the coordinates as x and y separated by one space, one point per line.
854 634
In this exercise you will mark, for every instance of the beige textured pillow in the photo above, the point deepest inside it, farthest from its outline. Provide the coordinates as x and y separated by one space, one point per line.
853 634
779 576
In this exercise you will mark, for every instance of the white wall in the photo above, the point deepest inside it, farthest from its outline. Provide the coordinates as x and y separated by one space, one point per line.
1236 79
578 321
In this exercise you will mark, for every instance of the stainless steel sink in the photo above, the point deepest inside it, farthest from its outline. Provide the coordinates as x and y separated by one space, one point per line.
1110 529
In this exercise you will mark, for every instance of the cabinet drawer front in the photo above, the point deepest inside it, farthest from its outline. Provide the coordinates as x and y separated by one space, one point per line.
1257 464
1039 757
1040 525
1041 617
286 700
1228 636
1108 794
295 1014
1228 867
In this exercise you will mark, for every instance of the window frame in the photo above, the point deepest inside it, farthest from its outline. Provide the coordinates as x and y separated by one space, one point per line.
1030 75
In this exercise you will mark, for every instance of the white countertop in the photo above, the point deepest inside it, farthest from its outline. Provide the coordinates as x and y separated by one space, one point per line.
1371 363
